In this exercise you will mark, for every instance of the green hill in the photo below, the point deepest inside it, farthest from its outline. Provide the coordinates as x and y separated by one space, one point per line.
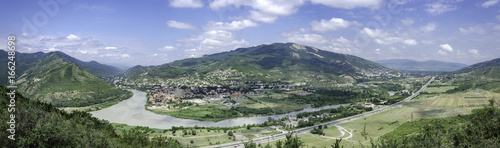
53 78
479 129
38 124
483 75
93 67
25 61
488 69
275 62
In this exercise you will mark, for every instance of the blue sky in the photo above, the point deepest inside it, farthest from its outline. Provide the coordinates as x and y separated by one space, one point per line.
128 33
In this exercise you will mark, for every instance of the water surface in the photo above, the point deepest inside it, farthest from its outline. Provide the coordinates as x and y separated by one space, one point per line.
132 112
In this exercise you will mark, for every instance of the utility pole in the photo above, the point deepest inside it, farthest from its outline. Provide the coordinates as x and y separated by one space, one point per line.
411 117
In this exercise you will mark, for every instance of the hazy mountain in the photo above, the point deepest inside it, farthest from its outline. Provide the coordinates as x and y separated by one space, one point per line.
411 65
278 61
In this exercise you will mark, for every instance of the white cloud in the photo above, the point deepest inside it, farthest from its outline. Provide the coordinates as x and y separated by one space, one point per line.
179 25
186 3
490 3
472 29
266 11
73 37
125 56
386 38
446 47
342 45
167 48
263 17
429 27
93 8
373 33
428 42
474 51
305 38
330 25
212 41
83 48
234 25
349 4
441 52
410 42
111 48
407 21
496 27
439 7
51 49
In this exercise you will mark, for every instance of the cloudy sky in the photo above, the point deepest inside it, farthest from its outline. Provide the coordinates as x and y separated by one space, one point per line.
154 32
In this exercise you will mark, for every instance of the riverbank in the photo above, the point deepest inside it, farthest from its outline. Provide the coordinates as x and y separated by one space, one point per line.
132 112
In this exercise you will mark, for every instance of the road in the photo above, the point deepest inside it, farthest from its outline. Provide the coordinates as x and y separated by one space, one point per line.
329 124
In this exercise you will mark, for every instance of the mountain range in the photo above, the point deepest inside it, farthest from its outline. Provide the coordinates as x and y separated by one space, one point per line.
62 80
66 81
411 65
274 62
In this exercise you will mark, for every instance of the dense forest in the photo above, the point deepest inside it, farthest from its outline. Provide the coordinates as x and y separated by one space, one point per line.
38 124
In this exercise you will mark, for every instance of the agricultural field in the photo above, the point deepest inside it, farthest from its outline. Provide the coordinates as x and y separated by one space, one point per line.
466 100
438 89
203 137
380 124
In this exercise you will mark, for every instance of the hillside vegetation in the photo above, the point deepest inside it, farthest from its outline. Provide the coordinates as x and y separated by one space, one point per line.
55 79
479 129
38 124
275 62
411 65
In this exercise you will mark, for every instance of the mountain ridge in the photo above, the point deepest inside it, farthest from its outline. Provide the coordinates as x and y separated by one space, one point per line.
59 79
268 62
429 65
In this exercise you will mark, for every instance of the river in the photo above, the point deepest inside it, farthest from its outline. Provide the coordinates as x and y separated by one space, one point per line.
132 112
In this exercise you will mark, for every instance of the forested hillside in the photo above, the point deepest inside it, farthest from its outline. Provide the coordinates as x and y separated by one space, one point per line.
57 81
38 124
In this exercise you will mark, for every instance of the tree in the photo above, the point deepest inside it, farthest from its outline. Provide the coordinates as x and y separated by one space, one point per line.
364 133
250 144
279 144
230 133
337 143
292 142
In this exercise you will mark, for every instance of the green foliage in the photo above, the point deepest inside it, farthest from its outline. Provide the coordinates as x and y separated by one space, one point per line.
331 96
266 63
390 87
250 144
253 111
479 129
292 142
56 78
318 131
39 124
337 143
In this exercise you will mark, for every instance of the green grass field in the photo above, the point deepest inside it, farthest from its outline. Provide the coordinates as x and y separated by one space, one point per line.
382 123
467 100
440 89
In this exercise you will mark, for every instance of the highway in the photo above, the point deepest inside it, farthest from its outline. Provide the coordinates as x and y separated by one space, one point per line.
329 124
